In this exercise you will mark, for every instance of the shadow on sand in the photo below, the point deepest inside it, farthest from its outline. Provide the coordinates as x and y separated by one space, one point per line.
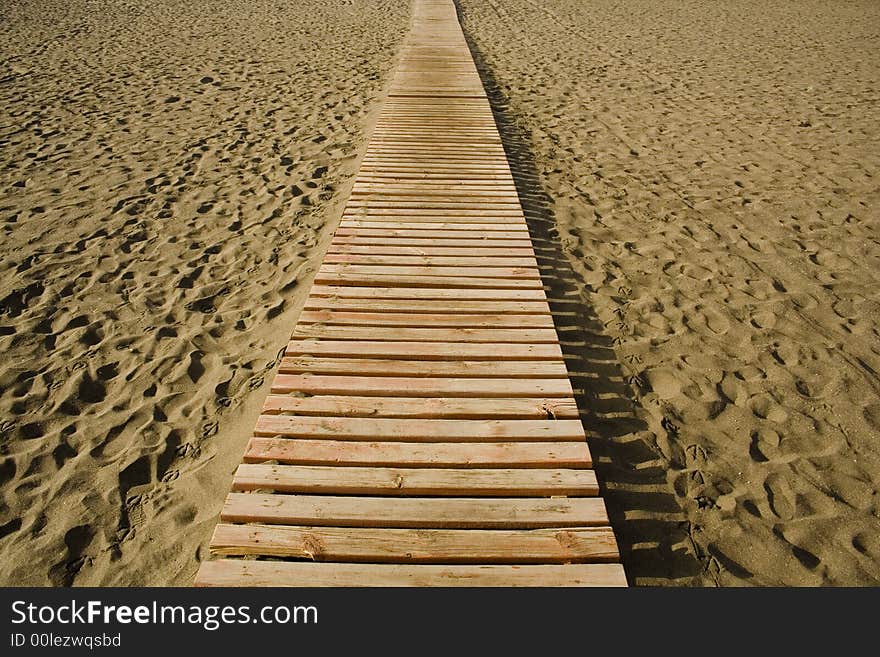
648 522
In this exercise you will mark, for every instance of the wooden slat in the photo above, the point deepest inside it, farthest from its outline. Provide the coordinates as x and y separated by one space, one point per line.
483 219
379 305
431 232
388 386
394 333
448 294
460 260
529 369
448 546
426 190
425 279
304 451
417 407
389 279
467 243
424 320
415 512
457 224
228 572
427 176
473 482
441 430
396 349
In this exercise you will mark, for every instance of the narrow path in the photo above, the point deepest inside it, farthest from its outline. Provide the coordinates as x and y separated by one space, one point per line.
422 428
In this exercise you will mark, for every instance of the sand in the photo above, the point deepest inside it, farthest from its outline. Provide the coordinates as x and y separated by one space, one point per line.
170 173
710 172
700 179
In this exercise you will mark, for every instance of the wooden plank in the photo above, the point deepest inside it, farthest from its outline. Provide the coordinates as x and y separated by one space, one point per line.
390 429
448 546
413 127
463 242
237 572
461 193
401 132
466 211
425 280
462 156
434 407
488 255
460 224
406 350
422 121
430 233
402 125
439 294
433 198
437 178
424 320
457 159
386 386
426 293
415 512
530 369
396 481
398 334
374 304
378 206
429 261
484 149
462 221
459 170
307 451
448 157
474 151
460 186
464 112
406 334
429 190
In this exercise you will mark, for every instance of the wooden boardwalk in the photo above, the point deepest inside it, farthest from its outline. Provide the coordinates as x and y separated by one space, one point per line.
422 428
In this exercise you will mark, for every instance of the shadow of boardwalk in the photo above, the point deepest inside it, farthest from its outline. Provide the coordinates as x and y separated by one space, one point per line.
649 525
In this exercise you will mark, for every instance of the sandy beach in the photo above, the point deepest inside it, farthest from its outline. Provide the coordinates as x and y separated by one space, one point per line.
709 171
700 180
169 173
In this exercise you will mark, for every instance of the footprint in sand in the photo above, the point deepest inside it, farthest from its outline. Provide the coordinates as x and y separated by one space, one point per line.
706 318
868 544
765 445
76 540
763 406
787 353
780 496
793 536
696 454
764 319
664 382
733 389
814 389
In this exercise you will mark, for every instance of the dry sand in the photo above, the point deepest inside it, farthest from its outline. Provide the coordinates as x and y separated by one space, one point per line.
710 171
169 174
700 177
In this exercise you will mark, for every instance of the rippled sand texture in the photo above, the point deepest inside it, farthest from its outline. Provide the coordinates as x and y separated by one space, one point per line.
168 172
712 168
